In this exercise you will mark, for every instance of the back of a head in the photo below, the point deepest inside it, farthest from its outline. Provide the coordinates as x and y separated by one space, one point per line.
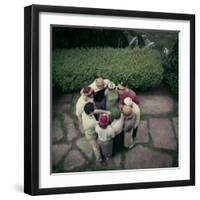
89 108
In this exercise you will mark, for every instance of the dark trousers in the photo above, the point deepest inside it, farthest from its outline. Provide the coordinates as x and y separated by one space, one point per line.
106 148
135 132
118 142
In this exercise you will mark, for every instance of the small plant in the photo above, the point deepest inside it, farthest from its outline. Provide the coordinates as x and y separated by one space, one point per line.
75 68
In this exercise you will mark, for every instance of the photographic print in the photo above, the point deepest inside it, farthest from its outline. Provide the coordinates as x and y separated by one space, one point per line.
115 99
109 99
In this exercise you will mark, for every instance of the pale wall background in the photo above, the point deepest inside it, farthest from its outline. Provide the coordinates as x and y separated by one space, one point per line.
11 100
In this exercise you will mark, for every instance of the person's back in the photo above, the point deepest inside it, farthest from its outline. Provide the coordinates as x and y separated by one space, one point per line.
89 124
129 124
136 109
105 136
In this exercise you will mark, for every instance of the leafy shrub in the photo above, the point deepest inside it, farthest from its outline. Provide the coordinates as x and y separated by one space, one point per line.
75 68
170 65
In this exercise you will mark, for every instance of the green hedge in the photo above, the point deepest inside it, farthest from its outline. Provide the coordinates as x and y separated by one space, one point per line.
75 68
170 65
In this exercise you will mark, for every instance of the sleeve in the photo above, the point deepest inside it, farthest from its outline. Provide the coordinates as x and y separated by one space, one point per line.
137 112
96 128
79 108
93 86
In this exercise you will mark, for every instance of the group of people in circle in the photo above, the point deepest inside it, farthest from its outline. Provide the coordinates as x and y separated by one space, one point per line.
109 115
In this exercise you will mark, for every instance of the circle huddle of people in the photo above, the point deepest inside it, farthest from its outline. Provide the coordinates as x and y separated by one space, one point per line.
109 116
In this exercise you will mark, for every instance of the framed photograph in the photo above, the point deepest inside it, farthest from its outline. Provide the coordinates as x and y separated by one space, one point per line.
109 99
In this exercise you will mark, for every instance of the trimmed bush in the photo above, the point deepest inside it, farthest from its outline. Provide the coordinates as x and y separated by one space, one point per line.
75 68
170 65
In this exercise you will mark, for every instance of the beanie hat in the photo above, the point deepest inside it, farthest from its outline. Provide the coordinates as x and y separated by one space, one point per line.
89 108
127 110
128 101
87 91
111 85
103 119
99 82
115 113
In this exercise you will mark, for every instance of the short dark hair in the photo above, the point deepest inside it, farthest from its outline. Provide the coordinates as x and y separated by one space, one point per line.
89 108
123 84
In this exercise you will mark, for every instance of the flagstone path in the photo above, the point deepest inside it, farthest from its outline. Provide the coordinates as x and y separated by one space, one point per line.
156 143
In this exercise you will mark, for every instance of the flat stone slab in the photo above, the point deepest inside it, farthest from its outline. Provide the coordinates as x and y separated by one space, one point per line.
156 104
56 132
73 160
65 98
162 133
58 151
75 98
85 147
60 108
142 133
114 162
141 157
175 123
69 125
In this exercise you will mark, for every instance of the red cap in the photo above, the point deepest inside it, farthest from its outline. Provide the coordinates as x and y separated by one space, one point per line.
103 119
87 90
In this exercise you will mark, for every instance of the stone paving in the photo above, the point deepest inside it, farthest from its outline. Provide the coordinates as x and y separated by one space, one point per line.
155 146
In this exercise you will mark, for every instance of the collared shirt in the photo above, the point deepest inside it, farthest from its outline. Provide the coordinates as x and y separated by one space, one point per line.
89 125
81 103
117 124
105 134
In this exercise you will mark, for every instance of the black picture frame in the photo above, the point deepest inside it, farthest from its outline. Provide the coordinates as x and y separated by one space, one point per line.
31 98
